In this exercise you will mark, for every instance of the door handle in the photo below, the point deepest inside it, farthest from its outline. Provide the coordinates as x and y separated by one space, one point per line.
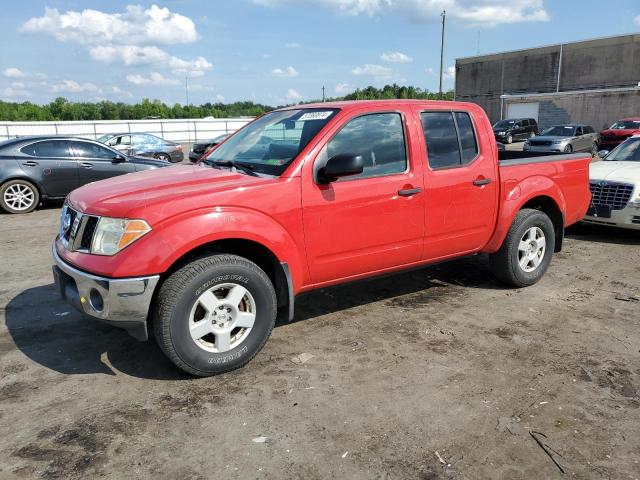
478 182
30 163
407 192
86 165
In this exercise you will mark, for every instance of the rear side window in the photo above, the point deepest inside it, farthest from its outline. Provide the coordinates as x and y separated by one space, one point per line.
54 148
450 139
379 138
525 123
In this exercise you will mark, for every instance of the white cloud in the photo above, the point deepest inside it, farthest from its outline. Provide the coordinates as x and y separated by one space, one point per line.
396 57
128 38
430 70
135 26
13 72
292 45
219 98
293 95
637 20
285 72
120 92
371 70
13 92
71 86
155 78
449 73
476 12
344 88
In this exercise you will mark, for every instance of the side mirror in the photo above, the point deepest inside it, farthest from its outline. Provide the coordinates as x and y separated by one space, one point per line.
340 166
603 153
119 159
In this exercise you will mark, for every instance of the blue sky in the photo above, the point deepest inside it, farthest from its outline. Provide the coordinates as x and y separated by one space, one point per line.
269 51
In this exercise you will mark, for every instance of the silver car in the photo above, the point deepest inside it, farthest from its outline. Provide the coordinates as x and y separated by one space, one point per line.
565 138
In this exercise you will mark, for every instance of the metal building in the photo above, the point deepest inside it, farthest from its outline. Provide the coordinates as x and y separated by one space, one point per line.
594 82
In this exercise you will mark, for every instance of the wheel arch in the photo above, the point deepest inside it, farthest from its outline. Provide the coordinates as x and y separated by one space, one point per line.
549 207
41 192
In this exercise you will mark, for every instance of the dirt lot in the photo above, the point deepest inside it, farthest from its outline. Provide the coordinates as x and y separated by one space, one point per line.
399 372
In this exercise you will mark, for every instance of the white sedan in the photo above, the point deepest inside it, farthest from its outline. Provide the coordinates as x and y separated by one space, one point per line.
615 187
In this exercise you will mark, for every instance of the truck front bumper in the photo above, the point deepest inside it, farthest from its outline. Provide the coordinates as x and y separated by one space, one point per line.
121 302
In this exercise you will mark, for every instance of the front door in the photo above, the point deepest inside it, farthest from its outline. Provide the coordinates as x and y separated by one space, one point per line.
371 221
97 162
461 184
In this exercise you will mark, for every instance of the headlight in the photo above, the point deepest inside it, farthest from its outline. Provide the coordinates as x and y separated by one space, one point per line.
114 234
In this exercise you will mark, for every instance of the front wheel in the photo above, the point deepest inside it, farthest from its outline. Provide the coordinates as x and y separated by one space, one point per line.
509 139
594 150
214 314
568 149
526 252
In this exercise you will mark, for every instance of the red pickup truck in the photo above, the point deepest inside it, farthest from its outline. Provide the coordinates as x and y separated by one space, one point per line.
207 256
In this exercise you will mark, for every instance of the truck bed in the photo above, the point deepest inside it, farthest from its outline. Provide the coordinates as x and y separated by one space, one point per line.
508 158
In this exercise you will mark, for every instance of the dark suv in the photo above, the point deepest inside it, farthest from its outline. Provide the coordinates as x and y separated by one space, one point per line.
512 129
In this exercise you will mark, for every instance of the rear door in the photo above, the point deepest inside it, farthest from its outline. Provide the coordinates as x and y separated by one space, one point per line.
372 221
97 162
461 183
51 164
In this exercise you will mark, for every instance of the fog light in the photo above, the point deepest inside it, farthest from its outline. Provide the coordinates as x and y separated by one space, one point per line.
97 303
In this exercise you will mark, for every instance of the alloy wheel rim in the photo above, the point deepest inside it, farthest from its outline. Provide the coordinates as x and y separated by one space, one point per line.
19 197
222 318
531 249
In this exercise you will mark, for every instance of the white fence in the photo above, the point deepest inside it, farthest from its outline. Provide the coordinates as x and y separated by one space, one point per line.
183 130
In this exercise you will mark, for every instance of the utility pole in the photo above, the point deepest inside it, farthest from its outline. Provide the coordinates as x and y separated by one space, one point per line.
186 87
444 17
323 100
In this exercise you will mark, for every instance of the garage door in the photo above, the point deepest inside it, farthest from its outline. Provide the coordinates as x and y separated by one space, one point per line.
523 110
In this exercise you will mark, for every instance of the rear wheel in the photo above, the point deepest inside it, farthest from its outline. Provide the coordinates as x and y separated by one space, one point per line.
19 196
214 314
594 150
526 252
163 156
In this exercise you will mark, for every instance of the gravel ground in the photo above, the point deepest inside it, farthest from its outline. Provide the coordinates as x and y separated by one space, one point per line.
436 373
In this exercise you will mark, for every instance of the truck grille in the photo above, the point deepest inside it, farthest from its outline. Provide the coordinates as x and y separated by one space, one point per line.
77 229
614 194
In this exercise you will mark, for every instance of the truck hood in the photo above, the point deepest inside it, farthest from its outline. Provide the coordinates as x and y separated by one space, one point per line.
145 194
628 172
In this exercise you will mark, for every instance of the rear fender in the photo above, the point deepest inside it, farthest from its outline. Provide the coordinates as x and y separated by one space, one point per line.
514 196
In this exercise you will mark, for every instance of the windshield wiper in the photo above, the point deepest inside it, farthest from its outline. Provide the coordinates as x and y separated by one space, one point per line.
248 169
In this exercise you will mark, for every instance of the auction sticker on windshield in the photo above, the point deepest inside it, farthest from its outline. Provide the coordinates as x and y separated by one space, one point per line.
315 116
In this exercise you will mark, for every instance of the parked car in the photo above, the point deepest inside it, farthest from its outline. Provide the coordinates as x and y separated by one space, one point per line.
42 168
618 133
615 187
200 148
144 145
513 129
564 138
352 190
501 146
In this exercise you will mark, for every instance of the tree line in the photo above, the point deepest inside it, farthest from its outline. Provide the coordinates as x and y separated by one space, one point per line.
63 109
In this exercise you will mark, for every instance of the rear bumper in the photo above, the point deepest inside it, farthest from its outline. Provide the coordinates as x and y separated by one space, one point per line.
122 302
628 217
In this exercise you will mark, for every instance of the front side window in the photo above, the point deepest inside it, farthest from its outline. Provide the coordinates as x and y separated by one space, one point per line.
468 144
54 148
91 150
269 144
378 138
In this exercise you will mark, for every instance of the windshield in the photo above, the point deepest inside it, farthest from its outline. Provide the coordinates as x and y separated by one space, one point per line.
628 151
104 138
270 143
504 124
560 131
626 125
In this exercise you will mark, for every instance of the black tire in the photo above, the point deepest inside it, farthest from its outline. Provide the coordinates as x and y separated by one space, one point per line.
180 292
504 263
509 139
594 150
163 156
568 149
33 196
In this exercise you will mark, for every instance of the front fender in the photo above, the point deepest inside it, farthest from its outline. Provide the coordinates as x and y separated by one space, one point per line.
176 236
514 196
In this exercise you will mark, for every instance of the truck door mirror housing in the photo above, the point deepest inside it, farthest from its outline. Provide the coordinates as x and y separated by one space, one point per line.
340 166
